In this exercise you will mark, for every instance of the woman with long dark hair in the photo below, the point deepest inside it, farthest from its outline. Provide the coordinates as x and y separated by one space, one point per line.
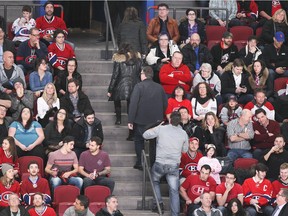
8 154
28 135
56 130
235 208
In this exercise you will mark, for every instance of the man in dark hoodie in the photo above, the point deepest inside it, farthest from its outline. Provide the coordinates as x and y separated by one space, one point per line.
87 127
111 207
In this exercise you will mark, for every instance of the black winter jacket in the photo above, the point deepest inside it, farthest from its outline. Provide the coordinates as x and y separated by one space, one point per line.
270 28
62 82
7 211
104 212
274 59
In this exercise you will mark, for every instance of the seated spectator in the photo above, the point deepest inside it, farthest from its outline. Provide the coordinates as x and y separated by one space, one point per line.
14 207
132 30
235 82
34 184
87 127
56 130
191 25
9 72
265 132
206 75
111 208
274 157
8 154
257 192
206 206
80 206
231 110
62 165
212 162
175 73
260 101
20 98
200 184
283 128
235 208
126 74
213 133
28 135
281 105
218 17
70 73
8 185
277 23
162 24
5 44
188 125
47 105
227 191
30 50
281 182
59 52
40 77
240 132
4 123
259 78
177 100
247 13
275 56
48 23
202 101
189 160
5 100
251 53
95 165
22 25
39 206
160 54
281 201
75 101
195 54
223 53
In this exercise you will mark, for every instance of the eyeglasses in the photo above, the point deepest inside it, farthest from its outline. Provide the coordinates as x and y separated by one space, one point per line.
60 37
36 35
191 14
63 113
231 178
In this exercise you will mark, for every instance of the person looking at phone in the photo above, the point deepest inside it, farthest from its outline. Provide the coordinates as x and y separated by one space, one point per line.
235 82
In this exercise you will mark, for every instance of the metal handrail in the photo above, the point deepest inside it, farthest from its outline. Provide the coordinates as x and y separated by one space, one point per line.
146 169
108 27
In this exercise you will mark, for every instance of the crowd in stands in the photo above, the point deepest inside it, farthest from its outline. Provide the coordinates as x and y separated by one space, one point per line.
197 107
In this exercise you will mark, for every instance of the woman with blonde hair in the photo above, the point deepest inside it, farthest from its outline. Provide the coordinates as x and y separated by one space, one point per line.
47 105
276 24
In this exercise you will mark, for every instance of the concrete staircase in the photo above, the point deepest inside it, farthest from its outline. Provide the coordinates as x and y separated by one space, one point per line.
96 74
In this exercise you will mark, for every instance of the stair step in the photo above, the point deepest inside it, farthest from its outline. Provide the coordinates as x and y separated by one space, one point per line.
96 92
120 145
94 67
122 160
96 79
106 106
109 118
89 54
124 174
112 131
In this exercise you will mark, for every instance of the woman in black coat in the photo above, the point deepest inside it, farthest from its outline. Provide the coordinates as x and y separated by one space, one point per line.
126 74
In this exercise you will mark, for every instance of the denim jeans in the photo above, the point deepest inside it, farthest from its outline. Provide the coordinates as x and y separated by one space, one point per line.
233 154
100 180
171 172
267 210
56 181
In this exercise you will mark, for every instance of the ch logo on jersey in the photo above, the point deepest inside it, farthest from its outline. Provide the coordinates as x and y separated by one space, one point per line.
199 189
192 167
256 197
5 196
49 31
30 59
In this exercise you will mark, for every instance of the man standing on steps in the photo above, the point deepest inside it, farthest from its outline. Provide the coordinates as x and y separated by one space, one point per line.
148 103
172 140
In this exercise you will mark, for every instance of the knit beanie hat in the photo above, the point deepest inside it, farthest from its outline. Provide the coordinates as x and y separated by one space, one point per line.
6 167
18 79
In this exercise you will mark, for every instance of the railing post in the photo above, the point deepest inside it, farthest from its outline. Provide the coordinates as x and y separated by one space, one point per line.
143 182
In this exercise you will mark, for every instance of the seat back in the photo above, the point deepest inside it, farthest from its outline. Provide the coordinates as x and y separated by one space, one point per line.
244 163
212 43
96 206
97 193
280 83
24 162
62 207
259 31
214 32
241 33
65 193
240 44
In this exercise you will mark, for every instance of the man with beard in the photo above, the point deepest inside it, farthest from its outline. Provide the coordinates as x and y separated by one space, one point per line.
194 54
83 130
80 207
258 192
282 181
48 23
274 157
38 206
75 101
95 165
224 52
33 184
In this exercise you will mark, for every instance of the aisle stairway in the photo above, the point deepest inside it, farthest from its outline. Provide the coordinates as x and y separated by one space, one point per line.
96 75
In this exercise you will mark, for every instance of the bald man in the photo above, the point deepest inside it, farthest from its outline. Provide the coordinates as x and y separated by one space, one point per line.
9 72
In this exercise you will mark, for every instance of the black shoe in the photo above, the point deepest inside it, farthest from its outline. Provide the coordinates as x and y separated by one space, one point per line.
118 122
155 209
130 138
139 167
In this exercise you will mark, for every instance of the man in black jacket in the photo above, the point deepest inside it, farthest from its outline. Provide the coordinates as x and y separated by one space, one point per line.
88 126
14 207
194 54
148 103
75 101
282 203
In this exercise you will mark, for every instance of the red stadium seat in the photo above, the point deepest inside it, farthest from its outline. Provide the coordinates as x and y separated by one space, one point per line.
62 207
212 43
97 193
280 83
259 31
241 33
244 163
240 44
24 162
96 206
214 32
